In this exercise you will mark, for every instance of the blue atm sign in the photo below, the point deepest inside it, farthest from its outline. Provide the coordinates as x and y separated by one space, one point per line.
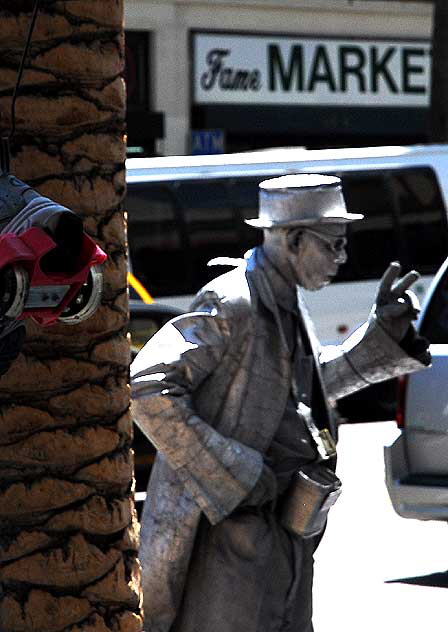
207 141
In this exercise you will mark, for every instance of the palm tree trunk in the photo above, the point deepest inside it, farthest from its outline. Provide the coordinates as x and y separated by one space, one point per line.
439 81
68 525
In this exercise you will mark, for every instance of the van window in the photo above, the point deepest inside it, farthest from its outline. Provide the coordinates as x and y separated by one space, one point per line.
422 223
372 242
157 238
405 220
211 225
244 196
175 228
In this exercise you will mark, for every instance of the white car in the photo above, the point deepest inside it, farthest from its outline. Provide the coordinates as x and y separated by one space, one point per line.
417 462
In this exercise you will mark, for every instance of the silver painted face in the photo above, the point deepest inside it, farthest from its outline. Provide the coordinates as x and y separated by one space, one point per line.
318 254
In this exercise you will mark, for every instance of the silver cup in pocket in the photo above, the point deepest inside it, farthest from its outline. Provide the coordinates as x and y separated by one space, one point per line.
313 490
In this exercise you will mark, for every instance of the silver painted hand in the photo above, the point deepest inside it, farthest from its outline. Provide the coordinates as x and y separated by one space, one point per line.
396 306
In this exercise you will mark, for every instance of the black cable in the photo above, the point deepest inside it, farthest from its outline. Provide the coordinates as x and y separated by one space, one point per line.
4 154
21 68
4 142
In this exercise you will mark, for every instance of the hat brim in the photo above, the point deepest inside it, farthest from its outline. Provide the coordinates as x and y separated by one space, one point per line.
339 219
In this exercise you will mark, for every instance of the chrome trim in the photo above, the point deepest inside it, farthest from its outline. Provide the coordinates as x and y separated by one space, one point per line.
22 287
87 310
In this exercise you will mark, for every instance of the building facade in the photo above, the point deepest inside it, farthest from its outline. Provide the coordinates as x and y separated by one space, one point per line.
231 75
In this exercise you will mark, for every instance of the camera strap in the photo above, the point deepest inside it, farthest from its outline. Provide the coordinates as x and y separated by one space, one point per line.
306 391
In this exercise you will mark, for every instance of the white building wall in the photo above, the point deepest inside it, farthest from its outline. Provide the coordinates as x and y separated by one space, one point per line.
170 22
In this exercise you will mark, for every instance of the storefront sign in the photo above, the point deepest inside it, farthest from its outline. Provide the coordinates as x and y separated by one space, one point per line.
207 141
256 69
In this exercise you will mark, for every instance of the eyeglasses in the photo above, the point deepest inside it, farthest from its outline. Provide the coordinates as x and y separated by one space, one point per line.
336 244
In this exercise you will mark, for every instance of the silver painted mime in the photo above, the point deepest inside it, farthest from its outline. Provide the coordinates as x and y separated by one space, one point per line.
212 391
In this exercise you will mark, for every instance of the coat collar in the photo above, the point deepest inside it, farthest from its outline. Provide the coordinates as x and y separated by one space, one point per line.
264 277
283 293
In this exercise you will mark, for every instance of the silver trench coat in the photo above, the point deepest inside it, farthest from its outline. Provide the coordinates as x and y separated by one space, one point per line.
209 390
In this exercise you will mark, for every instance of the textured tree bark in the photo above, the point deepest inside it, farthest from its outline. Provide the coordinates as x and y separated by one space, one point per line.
68 524
439 80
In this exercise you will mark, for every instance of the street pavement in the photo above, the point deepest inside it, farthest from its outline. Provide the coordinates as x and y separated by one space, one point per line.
374 570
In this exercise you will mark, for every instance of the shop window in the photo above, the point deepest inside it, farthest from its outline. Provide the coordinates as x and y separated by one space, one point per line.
143 125
137 47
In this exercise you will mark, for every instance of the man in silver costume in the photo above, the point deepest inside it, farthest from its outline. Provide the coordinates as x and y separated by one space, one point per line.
213 392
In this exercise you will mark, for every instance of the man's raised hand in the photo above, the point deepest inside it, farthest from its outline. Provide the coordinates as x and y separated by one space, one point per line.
396 306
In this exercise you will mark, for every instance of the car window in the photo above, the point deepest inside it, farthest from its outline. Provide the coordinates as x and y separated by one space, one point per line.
435 323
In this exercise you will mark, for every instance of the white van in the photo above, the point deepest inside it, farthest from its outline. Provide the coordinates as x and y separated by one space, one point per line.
185 210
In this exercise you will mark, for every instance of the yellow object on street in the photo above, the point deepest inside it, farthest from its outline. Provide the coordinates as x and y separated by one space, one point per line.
139 288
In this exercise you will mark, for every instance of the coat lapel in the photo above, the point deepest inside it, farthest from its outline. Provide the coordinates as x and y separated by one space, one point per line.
270 369
315 346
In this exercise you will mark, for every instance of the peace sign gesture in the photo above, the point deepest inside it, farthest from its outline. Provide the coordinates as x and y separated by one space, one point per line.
396 306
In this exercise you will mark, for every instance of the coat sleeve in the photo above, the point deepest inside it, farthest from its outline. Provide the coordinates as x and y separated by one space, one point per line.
366 357
218 471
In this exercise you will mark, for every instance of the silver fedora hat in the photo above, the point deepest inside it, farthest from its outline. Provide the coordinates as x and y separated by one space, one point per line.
301 200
